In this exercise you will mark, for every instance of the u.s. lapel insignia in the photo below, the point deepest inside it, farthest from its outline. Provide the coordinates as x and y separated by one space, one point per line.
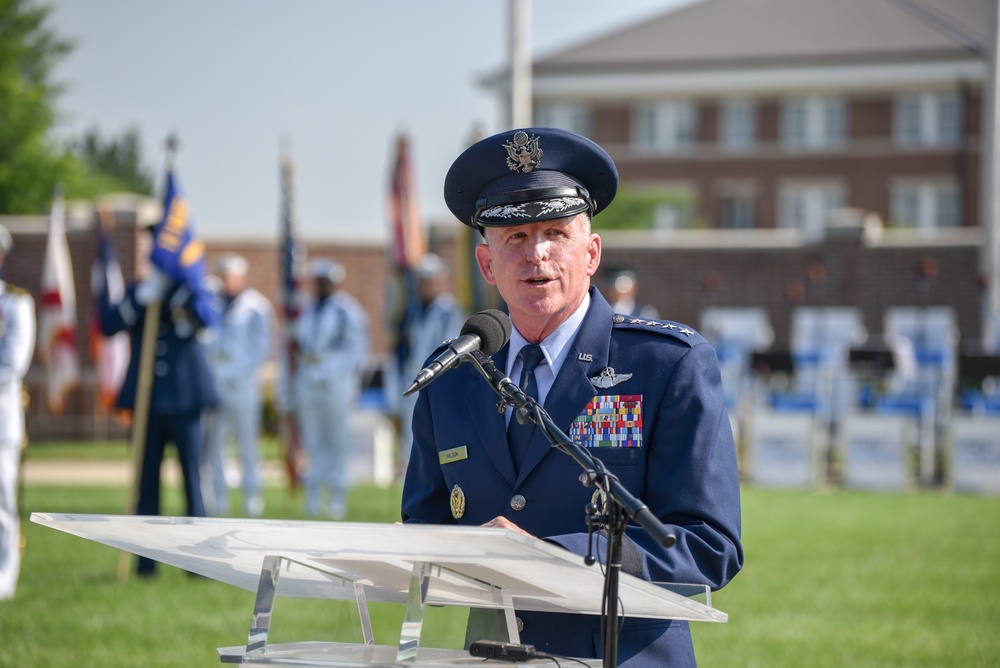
608 378
585 357
523 153
457 502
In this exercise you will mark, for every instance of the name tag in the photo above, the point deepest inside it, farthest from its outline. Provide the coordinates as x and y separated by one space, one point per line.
610 421
453 455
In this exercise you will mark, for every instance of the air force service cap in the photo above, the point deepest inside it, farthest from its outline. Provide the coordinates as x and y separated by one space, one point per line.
527 176
6 243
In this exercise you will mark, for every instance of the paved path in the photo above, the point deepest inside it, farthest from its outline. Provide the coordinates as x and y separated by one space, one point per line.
111 472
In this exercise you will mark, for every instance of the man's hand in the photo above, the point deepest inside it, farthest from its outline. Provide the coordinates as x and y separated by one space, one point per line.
504 523
153 287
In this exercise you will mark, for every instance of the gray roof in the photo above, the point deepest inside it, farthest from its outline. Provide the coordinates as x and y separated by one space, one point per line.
757 32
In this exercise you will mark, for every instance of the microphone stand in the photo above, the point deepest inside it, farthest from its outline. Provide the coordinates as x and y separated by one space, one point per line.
613 518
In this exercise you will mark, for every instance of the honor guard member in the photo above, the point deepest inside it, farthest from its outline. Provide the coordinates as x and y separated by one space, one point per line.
532 193
237 349
17 341
182 383
438 320
332 339
624 286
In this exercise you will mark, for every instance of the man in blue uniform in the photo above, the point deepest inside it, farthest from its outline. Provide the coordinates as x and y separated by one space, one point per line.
532 193
182 384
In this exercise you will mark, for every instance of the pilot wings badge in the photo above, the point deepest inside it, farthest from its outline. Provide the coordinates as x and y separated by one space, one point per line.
523 153
608 378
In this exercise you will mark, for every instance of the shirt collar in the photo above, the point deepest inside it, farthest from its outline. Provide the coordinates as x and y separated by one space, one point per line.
556 345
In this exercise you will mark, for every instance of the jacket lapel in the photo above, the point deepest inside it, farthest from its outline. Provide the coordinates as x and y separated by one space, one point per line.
490 424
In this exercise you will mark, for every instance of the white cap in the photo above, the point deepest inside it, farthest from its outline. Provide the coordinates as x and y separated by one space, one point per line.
329 269
430 266
231 263
6 243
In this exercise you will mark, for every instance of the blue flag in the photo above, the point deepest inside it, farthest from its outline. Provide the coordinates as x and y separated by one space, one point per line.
177 251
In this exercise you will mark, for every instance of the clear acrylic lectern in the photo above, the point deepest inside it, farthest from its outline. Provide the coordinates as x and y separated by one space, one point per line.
417 565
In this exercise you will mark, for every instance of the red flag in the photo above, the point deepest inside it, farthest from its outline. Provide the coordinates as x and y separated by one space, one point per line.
109 353
408 244
57 314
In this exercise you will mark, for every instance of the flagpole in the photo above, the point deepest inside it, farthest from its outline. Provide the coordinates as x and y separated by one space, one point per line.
143 392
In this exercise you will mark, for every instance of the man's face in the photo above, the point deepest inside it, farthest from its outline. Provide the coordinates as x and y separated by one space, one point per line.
324 287
542 270
233 283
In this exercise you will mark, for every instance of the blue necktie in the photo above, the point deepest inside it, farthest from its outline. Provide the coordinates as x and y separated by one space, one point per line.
519 435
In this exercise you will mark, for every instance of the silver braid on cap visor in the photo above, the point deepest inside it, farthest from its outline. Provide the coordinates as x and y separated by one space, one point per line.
530 210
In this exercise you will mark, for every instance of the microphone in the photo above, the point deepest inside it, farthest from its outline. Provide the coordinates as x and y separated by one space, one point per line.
487 331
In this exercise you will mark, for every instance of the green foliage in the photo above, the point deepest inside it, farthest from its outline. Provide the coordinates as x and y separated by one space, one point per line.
31 163
117 157
638 209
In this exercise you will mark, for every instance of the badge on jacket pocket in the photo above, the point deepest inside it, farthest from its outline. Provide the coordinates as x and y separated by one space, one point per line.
610 421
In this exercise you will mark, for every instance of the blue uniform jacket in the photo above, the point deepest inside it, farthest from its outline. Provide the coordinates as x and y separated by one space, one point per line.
182 380
684 470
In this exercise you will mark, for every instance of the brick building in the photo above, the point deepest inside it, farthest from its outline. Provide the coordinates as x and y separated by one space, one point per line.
770 113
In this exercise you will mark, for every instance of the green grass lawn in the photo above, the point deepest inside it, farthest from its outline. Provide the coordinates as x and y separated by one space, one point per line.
841 579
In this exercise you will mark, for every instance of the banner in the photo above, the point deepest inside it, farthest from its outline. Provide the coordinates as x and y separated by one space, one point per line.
57 314
177 251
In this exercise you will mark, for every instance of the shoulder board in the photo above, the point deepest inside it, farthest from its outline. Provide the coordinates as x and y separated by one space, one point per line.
16 289
674 330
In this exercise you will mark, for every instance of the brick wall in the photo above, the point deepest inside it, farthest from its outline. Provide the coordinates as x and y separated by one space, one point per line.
678 277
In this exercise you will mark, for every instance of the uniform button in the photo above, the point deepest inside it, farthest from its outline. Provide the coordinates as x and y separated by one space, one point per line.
518 502
161 368
161 348
519 623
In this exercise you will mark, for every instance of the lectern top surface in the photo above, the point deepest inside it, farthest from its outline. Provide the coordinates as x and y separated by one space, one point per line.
539 575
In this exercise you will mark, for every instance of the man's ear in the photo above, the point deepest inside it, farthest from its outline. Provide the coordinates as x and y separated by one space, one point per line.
484 258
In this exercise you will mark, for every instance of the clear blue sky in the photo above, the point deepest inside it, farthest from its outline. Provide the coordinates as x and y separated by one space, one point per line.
337 77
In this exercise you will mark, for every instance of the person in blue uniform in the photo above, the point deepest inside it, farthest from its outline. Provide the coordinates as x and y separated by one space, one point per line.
182 385
532 193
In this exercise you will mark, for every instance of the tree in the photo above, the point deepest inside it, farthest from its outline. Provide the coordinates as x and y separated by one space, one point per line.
29 165
118 157
638 209
31 162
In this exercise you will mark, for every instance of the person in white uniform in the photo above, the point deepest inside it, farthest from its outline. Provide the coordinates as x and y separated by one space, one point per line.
438 320
332 340
17 341
237 349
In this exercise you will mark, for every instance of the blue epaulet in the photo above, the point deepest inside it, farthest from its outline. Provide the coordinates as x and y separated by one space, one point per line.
675 330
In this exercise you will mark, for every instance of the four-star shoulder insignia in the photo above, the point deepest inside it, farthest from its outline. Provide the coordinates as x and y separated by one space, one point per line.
679 331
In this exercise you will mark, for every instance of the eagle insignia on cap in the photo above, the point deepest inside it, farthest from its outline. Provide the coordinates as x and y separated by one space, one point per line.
523 153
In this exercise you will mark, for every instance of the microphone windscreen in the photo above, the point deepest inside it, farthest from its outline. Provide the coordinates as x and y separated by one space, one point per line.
492 327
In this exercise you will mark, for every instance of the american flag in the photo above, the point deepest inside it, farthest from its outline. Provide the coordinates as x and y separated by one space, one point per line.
57 314
110 354
291 294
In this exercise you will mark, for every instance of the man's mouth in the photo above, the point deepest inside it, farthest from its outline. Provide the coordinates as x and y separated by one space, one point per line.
538 281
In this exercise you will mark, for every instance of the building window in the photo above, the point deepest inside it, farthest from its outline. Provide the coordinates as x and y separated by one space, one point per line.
570 116
737 211
926 203
805 205
813 122
664 127
739 124
737 203
928 118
